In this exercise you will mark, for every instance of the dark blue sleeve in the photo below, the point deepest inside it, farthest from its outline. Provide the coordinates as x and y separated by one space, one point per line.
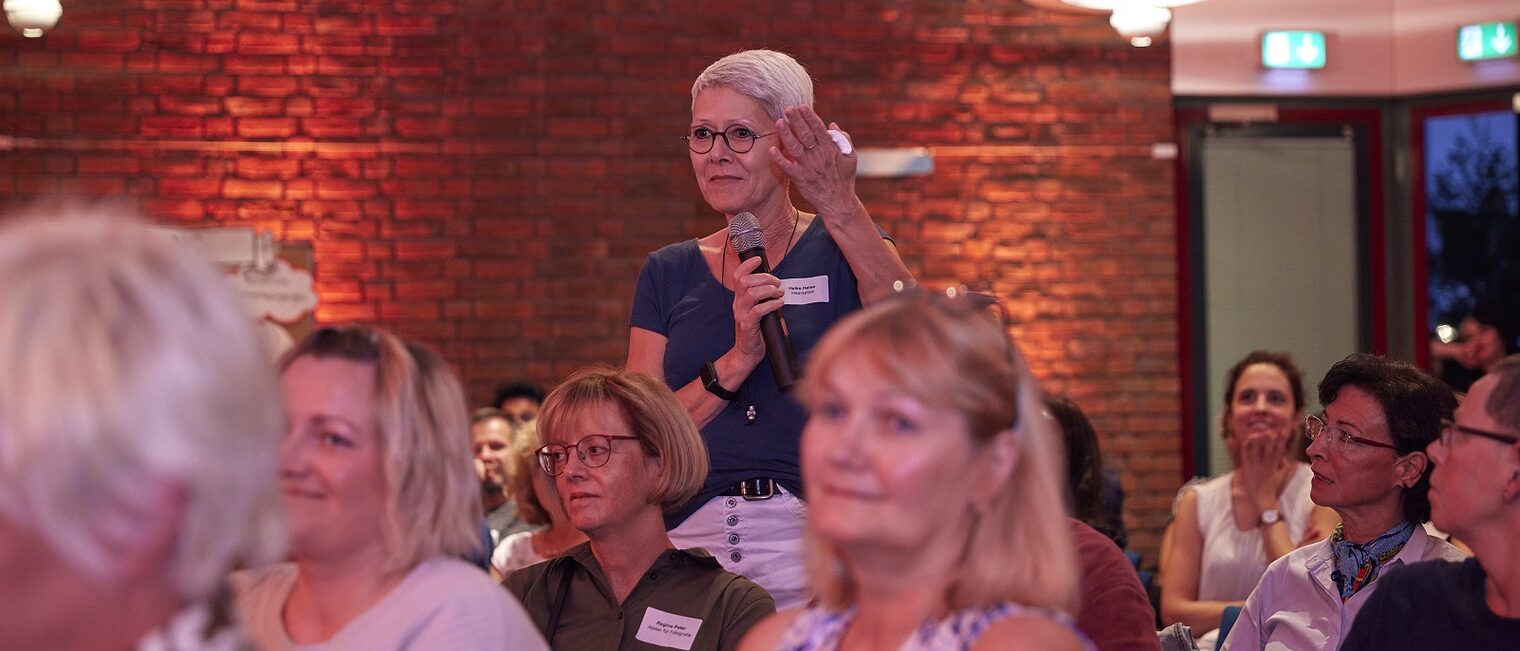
646 301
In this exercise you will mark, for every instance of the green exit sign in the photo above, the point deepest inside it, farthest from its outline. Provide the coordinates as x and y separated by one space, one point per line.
1486 41
1297 50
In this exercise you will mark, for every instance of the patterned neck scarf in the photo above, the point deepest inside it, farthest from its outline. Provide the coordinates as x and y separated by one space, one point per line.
1356 566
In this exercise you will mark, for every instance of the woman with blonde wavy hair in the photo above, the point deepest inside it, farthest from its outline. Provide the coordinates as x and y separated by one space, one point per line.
382 498
937 518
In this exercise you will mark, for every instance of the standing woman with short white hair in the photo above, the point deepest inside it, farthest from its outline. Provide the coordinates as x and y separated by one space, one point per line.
139 419
753 136
382 497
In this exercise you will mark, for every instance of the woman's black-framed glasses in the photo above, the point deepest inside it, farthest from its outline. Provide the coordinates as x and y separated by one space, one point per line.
740 139
1447 427
1314 426
594 450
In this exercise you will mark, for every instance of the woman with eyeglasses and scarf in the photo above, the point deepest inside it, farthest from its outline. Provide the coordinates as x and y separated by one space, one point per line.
697 309
1369 463
621 452
1475 494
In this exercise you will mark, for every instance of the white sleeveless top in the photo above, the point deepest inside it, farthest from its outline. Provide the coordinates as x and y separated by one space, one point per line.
1234 560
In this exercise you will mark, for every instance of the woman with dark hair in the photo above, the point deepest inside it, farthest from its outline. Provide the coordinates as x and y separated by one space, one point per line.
1369 464
1229 528
1086 479
1475 494
1484 337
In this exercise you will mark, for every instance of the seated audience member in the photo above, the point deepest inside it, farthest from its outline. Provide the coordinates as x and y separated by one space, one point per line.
1094 499
1475 494
934 483
139 419
376 473
1369 463
1114 611
1227 529
520 401
622 452
1485 336
538 505
491 437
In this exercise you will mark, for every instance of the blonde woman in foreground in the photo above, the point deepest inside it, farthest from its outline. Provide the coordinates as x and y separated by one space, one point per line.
382 498
935 489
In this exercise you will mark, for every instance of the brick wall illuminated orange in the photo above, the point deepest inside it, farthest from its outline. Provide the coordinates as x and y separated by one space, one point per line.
489 175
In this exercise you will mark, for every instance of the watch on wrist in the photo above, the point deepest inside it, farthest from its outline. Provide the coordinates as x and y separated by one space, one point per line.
1270 516
710 382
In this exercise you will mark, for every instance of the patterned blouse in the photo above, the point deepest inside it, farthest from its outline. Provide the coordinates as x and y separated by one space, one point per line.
820 629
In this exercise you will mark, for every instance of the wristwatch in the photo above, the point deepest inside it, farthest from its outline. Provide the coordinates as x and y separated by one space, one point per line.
710 382
1270 516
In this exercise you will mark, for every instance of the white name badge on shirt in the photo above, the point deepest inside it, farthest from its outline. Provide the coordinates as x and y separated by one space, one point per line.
802 291
668 629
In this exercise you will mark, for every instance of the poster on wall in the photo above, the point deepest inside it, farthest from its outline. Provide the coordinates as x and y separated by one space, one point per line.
274 278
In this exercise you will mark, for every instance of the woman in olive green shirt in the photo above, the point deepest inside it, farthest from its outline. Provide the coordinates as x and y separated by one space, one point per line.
622 451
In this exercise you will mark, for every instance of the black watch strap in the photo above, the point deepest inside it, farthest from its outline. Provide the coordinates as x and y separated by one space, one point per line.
710 382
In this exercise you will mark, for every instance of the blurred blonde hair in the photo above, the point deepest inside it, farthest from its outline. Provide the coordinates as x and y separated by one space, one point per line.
522 466
432 494
129 368
652 413
952 353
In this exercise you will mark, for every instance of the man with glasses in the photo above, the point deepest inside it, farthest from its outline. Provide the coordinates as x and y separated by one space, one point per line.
1370 466
1474 494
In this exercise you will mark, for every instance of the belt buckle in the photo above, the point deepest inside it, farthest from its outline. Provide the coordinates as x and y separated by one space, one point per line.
744 488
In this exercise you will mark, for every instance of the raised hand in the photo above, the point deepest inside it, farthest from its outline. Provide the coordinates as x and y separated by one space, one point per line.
823 175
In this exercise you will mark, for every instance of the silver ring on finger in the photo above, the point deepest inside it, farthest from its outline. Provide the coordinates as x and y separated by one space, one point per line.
809 147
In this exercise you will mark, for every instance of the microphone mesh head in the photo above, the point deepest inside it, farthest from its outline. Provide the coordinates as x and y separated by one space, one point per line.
744 232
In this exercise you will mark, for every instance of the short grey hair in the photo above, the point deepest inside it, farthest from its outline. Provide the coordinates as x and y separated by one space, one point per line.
129 369
772 78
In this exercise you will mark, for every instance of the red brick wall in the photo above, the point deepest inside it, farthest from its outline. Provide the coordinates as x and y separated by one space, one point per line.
488 175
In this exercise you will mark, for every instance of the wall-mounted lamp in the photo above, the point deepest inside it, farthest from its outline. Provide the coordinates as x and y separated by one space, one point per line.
32 17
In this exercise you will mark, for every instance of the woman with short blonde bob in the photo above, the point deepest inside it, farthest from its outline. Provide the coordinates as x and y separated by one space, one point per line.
622 451
935 487
382 498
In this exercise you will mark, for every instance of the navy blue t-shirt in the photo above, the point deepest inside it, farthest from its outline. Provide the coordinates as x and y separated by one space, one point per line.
678 297
1431 605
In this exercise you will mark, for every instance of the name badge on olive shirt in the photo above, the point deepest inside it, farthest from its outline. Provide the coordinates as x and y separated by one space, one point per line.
668 629
802 291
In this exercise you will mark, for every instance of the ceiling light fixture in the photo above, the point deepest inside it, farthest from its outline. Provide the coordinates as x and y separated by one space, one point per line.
32 17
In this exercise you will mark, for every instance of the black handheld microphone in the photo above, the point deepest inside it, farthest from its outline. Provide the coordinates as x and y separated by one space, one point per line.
744 232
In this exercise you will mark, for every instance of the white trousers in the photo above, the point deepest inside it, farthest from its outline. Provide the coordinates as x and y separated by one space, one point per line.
760 540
